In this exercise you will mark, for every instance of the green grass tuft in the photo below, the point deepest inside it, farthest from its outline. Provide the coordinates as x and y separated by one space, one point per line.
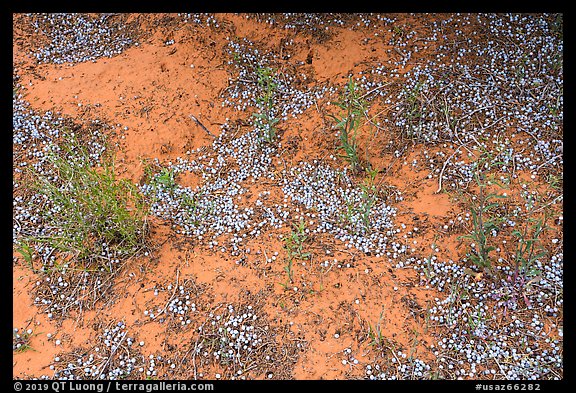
265 120
355 109
90 208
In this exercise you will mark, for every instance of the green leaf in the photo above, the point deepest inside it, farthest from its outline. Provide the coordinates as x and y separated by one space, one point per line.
516 233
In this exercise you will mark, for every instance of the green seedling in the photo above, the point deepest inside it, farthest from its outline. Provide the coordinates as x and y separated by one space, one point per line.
529 249
414 110
27 252
367 202
377 338
294 244
165 178
357 213
21 341
354 106
484 222
265 119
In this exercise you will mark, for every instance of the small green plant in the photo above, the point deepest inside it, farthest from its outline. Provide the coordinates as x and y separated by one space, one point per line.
191 205
377 338
367 202
90 207
165 178
555 181
27 252
529 249
427 268
483 225
522 67
294 244
265 120
554 107
370 179
149 171
21 341
357 213
236 57
475 320
458 293
450 120
348 215
556 24
414 110
355 108
295 241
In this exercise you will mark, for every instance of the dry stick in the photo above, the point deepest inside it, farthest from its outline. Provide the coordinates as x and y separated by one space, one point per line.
474 111
375 89
548 204
378 128
458 121
499 366
194 355
447 117
96 287
196 345
250 367
201 125
547 161
532 135
444 167
46 259
493 124
396 357
171 296
112 353
330 268
81 311
224 90
400 53
554 372
74 291
387 108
